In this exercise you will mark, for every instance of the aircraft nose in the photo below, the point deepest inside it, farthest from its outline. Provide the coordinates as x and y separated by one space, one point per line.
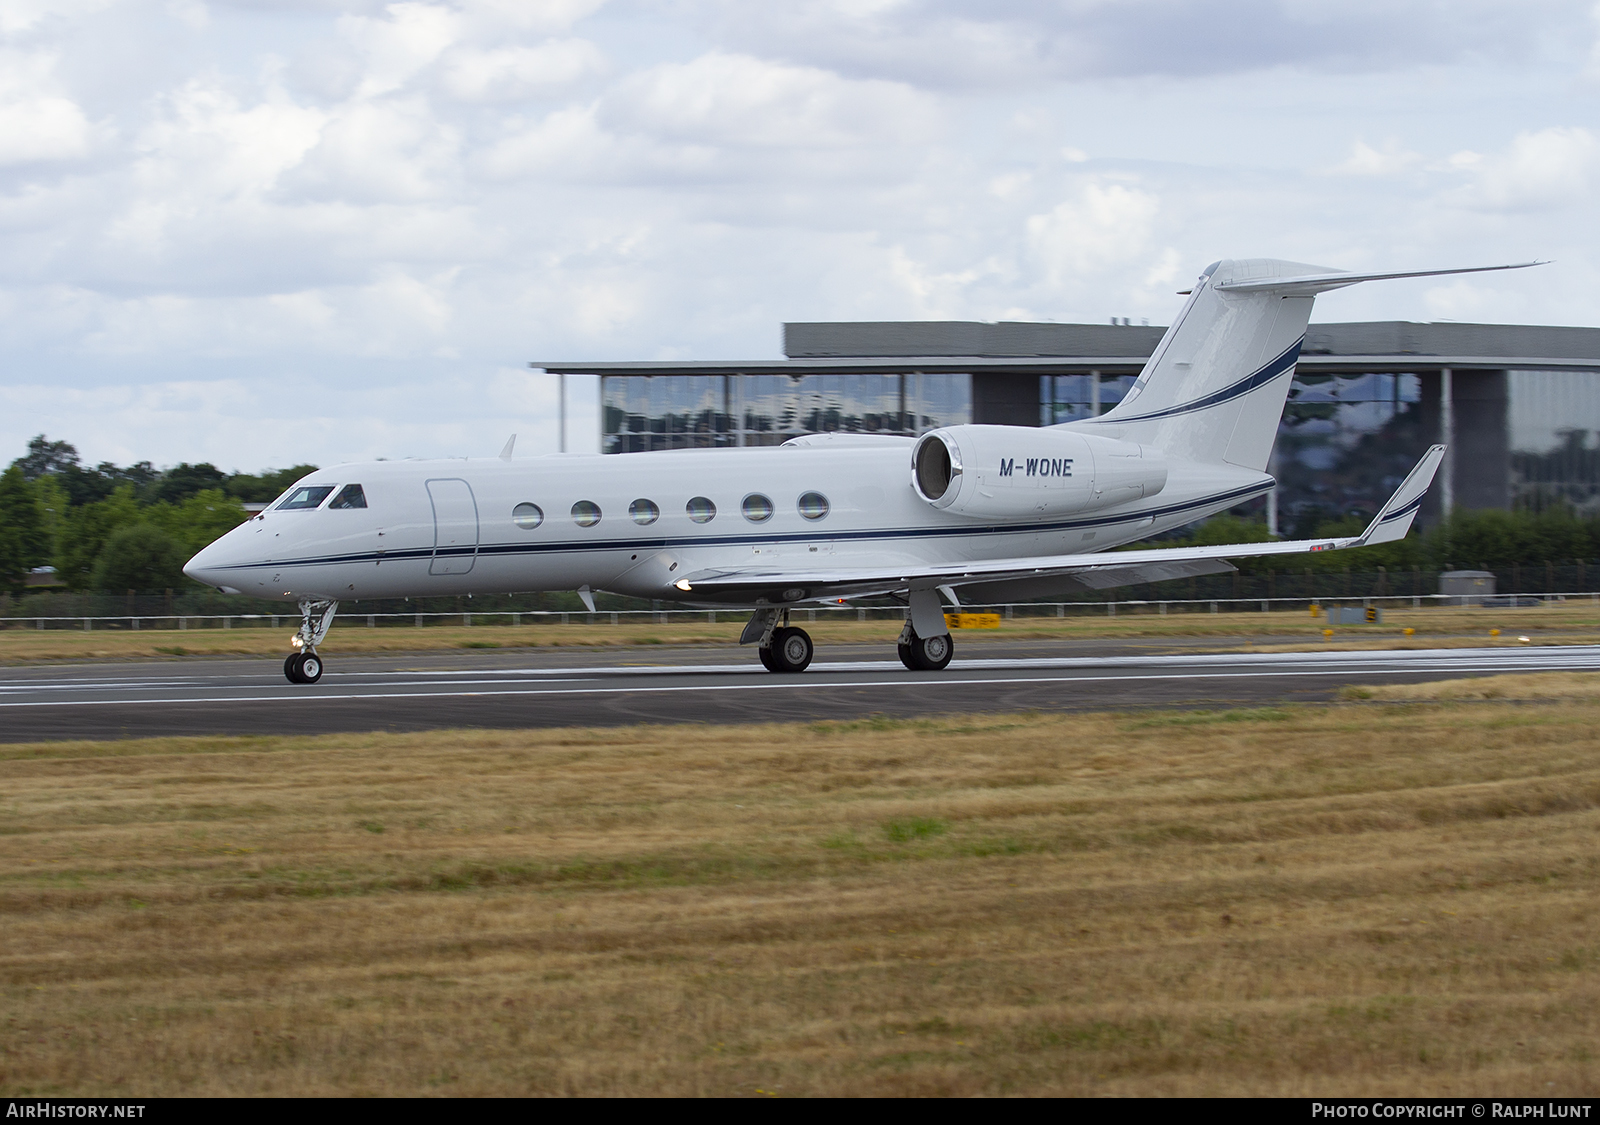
205 568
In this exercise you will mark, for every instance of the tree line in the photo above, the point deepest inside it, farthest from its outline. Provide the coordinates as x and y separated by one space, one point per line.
112 528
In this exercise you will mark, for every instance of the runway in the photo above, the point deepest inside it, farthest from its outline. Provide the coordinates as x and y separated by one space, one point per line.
566 687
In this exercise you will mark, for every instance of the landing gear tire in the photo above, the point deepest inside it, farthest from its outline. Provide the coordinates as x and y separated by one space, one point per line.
765 652
791 650
927 654
303 668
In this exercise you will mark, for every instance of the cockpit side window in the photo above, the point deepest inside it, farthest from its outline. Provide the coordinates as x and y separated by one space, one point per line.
308 496
350 496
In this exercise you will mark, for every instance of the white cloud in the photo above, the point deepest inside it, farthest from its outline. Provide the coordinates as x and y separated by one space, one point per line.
540 16
37 123
399 46
740 100
1101 225
20 16
1012 43
510 73
393 150
1391 160
1548 168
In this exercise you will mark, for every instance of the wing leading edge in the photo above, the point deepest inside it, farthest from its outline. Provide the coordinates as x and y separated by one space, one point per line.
777 587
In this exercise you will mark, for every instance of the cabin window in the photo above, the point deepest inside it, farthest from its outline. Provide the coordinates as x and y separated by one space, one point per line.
701 510
586 513
644 512
306 497
813 505
527 516
350 496
756 508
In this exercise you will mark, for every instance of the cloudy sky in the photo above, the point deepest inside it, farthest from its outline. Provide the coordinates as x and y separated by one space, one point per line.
259 233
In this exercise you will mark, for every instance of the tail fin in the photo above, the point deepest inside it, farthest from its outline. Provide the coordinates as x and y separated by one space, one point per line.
1214 390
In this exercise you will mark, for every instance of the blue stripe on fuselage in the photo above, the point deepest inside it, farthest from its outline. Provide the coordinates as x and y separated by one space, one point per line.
1244 386
1235 496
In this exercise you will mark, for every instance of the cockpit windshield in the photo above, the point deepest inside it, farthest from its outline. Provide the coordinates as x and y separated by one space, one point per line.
308 497
350 496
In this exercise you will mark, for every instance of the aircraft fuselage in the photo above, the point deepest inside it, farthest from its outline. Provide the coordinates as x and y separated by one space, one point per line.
636 523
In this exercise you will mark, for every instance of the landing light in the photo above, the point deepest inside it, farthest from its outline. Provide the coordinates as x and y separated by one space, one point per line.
682 584
296 641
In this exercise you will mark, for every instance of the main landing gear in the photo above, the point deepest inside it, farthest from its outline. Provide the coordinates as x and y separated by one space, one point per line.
789 651
925 654
304 666
784 648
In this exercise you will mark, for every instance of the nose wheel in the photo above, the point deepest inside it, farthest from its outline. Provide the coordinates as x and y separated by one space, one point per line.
303 668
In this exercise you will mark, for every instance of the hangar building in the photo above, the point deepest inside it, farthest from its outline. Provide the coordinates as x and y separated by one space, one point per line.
1519 405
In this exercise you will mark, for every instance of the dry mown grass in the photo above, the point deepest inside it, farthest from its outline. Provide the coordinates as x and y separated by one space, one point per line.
1567 623
1519 685
1346 900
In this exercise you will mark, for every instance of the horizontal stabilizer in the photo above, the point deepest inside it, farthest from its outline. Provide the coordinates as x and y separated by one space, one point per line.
1312 284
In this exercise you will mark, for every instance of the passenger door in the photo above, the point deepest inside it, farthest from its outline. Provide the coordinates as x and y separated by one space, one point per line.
455 527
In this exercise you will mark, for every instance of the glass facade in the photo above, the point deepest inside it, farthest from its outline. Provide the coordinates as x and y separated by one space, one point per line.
1066 398
1344 445
640 412
1554 438
1528 439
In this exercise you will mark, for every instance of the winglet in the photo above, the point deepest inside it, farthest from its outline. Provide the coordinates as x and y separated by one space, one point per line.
1394 519
511 443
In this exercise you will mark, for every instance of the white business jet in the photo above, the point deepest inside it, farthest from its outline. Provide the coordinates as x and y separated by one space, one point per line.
996 512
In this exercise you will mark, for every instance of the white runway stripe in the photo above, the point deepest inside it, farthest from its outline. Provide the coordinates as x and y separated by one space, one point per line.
167 691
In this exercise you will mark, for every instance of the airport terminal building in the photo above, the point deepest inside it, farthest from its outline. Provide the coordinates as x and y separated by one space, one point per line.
1519 405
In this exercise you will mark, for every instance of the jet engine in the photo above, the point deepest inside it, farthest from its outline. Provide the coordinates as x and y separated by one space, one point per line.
1018 472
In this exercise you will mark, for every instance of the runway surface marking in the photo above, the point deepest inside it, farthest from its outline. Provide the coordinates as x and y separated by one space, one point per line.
167 689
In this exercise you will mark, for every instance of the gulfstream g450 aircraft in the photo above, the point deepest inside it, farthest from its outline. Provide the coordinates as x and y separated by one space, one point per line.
996 512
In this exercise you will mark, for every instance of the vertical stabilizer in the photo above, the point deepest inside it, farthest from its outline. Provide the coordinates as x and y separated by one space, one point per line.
1214 390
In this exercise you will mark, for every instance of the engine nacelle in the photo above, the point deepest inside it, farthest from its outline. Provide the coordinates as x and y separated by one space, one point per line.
1018 472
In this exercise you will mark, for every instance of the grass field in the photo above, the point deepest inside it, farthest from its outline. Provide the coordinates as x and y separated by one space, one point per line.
1366 898
1574 622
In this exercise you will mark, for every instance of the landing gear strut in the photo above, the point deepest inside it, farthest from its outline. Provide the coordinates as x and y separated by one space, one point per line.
925 644
304 666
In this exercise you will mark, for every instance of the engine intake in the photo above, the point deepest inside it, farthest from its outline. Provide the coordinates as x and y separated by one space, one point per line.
1018 472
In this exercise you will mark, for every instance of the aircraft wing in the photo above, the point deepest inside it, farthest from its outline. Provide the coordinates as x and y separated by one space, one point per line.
780 586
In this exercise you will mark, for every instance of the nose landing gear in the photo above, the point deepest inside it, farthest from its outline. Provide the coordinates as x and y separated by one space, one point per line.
305 665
